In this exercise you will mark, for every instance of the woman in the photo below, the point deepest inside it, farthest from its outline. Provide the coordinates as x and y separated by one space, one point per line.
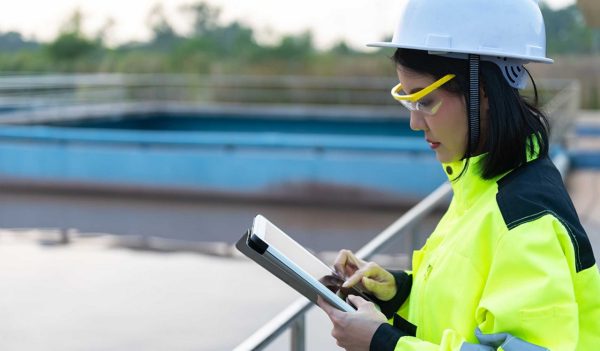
509 266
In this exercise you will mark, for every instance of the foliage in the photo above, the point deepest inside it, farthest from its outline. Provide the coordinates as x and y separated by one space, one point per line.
69 47
567 32
71 44
213 46
14 41
164 36
205 18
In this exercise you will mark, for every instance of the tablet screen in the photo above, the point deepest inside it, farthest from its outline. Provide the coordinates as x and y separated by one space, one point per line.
305 260
274 236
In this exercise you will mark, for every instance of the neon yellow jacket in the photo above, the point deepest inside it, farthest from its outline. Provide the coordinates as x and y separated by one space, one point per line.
509 267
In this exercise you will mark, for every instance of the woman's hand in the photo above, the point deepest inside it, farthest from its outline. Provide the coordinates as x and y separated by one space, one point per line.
353 331
373 277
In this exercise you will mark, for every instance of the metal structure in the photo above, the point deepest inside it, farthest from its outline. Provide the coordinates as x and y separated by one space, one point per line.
561 107
342 161
43 91
25 93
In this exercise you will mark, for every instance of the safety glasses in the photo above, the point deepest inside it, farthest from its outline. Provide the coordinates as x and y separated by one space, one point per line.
420 101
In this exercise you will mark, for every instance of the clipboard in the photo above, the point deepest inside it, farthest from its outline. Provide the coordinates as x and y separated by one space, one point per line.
289 261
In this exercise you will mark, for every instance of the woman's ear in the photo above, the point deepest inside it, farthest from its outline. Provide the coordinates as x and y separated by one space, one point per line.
484 119
485 106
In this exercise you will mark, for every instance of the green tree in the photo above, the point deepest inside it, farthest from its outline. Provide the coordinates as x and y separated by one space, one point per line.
13 41
204 18
210 40
164 36
341 48
296 47
71 44
567 32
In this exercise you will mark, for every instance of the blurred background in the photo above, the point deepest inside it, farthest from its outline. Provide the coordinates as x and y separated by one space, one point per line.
139 139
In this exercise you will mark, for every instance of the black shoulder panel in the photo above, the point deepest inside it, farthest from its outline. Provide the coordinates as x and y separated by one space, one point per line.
536 189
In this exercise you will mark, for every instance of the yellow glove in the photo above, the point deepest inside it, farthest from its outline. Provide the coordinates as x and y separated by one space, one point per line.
372 277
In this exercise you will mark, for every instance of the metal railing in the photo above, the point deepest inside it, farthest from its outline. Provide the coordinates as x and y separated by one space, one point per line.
43 91
67 90
562 108
45 98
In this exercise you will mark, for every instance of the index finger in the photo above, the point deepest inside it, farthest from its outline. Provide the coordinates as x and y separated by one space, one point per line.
345 259
366 271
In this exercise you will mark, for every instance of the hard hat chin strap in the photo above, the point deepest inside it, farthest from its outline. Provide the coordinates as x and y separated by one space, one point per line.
473 104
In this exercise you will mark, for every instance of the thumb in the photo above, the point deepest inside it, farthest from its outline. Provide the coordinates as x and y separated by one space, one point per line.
357 301
329 310
324 305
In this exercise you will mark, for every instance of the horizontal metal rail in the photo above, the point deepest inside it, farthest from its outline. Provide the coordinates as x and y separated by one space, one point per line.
39 91
25 82
57 90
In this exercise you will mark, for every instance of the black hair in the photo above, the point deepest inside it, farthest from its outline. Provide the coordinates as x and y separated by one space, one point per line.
516 128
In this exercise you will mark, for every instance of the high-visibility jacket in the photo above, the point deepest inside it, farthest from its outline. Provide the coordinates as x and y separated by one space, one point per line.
509 267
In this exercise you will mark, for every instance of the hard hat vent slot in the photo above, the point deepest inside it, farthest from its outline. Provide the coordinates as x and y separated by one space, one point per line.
513 73
508 75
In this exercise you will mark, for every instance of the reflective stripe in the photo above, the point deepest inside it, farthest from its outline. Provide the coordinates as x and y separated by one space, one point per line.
491 342
466 346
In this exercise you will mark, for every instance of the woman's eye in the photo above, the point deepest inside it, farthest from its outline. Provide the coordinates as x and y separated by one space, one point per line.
425 103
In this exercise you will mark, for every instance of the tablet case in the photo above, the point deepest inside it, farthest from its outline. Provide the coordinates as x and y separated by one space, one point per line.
253 247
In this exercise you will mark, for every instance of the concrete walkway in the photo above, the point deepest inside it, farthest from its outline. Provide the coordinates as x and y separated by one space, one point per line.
89 296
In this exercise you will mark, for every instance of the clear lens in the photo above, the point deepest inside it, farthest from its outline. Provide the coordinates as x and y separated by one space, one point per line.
422 101
427 106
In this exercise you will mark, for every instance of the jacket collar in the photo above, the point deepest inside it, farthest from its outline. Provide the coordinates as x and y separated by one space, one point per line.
468 185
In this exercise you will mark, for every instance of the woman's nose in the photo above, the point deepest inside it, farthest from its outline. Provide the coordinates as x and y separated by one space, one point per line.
417 122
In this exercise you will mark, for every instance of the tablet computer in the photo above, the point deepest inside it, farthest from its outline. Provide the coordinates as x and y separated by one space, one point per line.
281 255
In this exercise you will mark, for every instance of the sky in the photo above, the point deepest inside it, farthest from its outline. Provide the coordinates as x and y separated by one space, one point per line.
356 21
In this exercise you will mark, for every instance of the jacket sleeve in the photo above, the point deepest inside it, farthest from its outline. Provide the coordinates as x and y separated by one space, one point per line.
528 302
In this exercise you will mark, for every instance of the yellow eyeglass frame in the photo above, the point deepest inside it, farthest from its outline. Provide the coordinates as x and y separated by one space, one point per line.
421 93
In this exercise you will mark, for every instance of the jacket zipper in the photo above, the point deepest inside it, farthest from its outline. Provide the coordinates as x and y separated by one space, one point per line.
421 299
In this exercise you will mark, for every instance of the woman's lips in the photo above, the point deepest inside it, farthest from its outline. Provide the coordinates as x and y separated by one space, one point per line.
433 144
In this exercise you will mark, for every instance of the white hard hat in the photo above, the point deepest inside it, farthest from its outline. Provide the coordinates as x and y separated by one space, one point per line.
507 32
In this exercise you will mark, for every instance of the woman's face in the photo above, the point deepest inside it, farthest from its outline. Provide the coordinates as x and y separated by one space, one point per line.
446 131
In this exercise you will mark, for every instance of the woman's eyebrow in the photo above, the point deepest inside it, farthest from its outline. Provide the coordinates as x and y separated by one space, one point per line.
412 91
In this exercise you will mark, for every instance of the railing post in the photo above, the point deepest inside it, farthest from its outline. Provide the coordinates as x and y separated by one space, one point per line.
412 238
298 336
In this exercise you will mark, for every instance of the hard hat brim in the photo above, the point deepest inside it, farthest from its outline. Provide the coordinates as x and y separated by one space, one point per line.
442 51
